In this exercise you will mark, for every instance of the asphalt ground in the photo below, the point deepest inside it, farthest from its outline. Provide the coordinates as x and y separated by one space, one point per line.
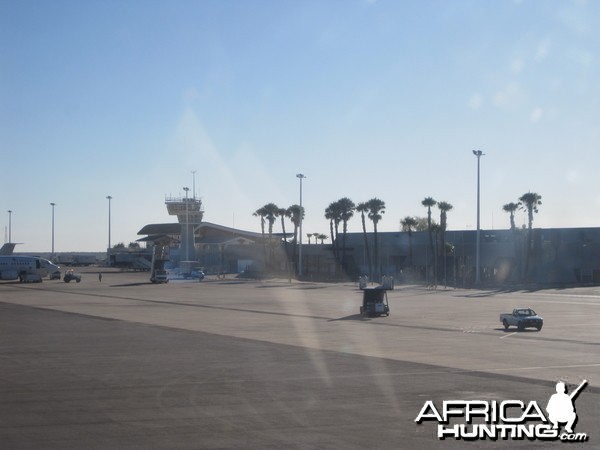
229 363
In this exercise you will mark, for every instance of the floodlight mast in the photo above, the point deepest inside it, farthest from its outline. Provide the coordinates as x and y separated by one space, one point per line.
478 154
300 177
9 226
109 198
53 205
187 226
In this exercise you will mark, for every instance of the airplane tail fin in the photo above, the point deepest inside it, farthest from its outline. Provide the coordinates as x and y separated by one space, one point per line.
7 249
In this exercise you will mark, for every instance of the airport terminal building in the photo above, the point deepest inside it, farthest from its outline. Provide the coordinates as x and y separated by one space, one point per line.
555 255
546 256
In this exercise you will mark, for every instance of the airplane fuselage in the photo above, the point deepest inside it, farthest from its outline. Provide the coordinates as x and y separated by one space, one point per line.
20 267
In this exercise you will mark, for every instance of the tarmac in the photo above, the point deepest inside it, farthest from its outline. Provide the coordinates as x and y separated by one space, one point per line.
123 363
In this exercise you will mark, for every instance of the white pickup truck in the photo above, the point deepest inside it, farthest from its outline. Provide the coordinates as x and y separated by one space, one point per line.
522 318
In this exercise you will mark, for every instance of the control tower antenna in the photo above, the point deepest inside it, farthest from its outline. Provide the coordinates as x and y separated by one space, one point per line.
194 183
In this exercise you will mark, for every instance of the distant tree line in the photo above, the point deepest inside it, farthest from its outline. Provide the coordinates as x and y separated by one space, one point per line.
341 211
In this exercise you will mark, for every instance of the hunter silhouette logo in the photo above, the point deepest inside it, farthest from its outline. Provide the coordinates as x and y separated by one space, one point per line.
560 406
508 419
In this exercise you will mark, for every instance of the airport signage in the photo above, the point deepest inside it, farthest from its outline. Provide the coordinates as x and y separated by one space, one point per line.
471 420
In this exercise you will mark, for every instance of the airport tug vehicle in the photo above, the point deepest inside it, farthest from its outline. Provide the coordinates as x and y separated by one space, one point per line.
375 302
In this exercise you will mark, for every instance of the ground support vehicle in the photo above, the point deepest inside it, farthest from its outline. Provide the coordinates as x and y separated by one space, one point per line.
522 318
160 257
159 276
30 278
54 275
70 276
375 302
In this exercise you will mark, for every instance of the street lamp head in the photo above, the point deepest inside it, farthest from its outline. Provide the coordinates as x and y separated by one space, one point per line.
53 204
299 175
478 153
109 197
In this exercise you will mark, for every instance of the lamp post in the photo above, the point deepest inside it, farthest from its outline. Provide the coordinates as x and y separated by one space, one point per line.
300 177
478 154
109 198
9 225
187 227
53 205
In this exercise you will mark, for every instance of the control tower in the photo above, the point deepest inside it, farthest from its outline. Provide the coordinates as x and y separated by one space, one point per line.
189 214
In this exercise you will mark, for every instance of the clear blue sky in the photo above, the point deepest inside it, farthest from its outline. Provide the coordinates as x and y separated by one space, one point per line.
379 98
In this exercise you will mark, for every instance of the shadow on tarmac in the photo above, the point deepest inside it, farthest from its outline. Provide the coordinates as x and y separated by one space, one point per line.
524 288
516 330
359 317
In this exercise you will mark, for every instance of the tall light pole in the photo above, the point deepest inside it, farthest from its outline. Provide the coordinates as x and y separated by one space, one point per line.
300 177
53 205
109 198
187 226
9 226
478 154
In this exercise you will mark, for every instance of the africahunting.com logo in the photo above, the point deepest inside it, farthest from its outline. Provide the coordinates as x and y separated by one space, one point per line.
508 419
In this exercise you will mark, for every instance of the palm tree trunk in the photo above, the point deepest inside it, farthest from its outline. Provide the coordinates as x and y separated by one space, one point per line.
431 248
377 262
262 230
337 241
344 230
295 259
369 262
285 244
333 243
410 249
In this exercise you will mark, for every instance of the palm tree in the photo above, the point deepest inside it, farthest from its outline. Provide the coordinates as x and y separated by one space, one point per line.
376 209
271 211
321 237
333 214
346 208
282 215
530 201
429 202
295 213
408 224
261 212
271 214
444 207
363 208
309 235
511 208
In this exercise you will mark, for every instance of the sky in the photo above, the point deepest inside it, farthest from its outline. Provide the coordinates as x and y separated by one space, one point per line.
366 98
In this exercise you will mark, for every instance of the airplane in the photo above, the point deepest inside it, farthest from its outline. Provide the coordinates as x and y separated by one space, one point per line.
23 268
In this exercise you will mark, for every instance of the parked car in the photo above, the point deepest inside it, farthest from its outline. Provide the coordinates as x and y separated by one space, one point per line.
522 318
